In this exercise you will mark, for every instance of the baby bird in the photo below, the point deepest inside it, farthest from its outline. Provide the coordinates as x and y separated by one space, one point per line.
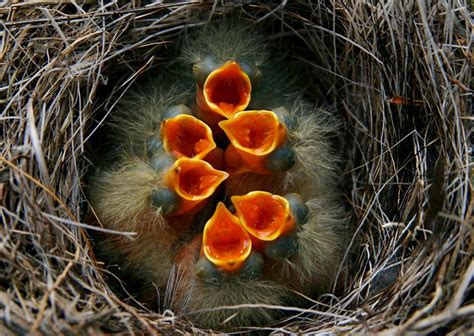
276 233
225 61
238 84
284 232
154 181
258 143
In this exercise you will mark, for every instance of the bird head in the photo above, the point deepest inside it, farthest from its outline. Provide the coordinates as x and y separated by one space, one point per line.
225 92
260 139
187 136
226 243
188 183
265 216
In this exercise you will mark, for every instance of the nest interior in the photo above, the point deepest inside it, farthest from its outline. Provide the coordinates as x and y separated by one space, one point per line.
396 73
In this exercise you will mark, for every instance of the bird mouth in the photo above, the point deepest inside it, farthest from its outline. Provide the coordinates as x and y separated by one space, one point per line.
264 215
254 132
194 180
255 135
227 90
225 241
187 136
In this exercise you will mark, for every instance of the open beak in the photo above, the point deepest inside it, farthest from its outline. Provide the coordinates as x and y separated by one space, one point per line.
194 181
265 216
254 135
225 241
187 136
225 92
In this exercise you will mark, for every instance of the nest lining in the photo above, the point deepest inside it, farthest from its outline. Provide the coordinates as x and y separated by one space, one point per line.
398 76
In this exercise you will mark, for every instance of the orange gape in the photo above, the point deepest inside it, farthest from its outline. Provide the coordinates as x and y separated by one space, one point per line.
187 136
225 242
225 92
265 216
194 181
254 136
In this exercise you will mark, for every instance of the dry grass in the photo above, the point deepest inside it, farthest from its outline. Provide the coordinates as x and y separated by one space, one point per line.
399 76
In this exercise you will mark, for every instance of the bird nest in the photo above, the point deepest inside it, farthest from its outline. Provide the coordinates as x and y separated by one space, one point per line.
396 74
